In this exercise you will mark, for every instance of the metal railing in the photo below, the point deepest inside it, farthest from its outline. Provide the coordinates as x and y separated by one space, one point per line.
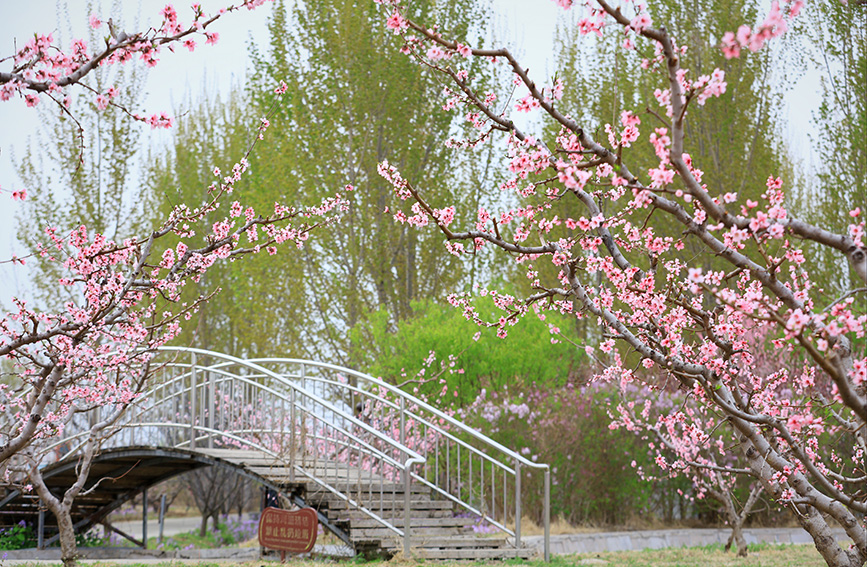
306 416
462 464
205 400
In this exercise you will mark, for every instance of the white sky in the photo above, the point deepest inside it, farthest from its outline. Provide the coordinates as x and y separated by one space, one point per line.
529 28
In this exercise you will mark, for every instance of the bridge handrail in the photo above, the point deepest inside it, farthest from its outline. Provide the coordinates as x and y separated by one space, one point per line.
435 424
409 397
420 418
319 400
513 456
353 432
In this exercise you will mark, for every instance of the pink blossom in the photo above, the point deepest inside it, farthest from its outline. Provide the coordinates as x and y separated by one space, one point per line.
396 22
587 26
527 104
661 176
169 13
435 53
159 120
776 231
640 22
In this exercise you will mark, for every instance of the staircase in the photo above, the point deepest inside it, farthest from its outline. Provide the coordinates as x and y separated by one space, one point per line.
437 532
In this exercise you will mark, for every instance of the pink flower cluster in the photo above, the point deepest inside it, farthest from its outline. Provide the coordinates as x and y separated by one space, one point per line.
44 68
775 25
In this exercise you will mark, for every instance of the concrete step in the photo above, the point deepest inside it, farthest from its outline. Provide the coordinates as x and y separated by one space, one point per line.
368 522
422 540
473 554
378 534
390 515
364 487
333 501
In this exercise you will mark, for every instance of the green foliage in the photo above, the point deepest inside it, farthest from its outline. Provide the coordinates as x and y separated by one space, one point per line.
527 356
229 532
19 536
346 110
249 315
89 539
838 34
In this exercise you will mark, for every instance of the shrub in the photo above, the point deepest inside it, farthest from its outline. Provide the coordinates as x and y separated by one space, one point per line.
19 536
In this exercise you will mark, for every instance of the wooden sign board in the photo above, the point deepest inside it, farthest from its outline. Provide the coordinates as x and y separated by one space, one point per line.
285 530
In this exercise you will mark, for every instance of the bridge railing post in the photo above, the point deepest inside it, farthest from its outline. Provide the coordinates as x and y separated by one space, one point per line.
407 497
212 393
162 517
547 512
518 503
40 529
144 519
403 421
193 402
293 427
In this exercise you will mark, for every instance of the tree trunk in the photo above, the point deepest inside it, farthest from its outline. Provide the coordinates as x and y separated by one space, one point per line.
764 460
723 495
737 537
68 548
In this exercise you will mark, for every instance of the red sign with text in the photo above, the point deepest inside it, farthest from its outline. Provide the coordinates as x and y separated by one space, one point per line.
286 530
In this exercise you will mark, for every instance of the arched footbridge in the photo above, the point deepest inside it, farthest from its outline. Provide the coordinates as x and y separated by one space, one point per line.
385 471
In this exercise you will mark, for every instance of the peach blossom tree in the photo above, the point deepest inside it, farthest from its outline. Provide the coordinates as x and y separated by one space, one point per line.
82 366
656 306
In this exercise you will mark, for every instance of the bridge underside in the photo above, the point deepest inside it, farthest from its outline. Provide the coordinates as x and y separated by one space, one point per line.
118 475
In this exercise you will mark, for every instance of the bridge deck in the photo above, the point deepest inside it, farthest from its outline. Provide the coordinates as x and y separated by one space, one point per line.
117 475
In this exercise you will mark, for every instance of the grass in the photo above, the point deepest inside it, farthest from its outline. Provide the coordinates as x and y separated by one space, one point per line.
762 555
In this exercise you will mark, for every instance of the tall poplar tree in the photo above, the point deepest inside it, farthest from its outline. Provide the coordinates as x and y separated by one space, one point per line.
605 80
343 112
838 33
258 310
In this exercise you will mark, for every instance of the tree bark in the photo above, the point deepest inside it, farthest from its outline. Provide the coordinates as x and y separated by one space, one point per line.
737 537
68 546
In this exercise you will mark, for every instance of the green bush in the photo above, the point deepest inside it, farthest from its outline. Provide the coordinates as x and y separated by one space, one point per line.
19 536
527 356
